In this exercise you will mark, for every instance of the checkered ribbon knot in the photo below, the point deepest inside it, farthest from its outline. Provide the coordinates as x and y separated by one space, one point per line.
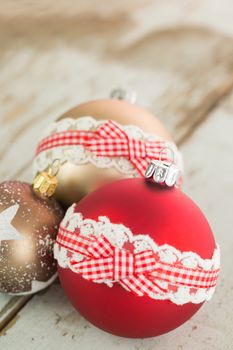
109 140
139 273
106 262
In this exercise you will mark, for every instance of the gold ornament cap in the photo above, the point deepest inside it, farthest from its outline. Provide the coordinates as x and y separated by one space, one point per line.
45 182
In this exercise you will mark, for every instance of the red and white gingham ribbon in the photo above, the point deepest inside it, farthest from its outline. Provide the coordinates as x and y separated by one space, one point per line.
139 273
109 140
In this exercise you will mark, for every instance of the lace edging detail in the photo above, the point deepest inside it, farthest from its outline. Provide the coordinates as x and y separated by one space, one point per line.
119 234
79 156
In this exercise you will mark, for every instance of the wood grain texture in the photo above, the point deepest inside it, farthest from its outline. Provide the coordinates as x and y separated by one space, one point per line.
178 57
180 74
9 307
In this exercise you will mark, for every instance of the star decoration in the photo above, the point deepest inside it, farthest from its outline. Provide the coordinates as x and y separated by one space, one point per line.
7 230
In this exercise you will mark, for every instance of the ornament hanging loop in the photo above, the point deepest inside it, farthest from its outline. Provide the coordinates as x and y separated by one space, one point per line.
54 168
163 172
45 182
171 151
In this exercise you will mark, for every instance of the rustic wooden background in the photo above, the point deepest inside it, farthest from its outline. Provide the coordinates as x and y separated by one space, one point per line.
178 56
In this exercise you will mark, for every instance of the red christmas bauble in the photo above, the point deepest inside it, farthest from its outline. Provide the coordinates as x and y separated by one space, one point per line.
168 217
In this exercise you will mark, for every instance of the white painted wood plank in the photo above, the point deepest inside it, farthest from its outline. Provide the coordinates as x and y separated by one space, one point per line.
9 306
209 182
172 71
148 14
51 69
4 300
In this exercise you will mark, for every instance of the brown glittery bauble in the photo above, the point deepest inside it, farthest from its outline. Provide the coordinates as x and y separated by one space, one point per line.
28 228
75 181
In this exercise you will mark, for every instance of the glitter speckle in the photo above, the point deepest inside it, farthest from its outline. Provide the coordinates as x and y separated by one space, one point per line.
27 266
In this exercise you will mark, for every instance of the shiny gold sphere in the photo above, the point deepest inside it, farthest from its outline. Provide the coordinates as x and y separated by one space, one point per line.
75 181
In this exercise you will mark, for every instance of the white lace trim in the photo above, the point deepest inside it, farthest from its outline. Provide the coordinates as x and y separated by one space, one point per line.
78 155
119 234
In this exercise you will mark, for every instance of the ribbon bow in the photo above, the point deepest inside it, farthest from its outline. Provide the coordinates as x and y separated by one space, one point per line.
105 262
109 140
136 272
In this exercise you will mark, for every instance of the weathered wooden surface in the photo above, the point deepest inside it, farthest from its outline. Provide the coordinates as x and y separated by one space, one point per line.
179 57
9 307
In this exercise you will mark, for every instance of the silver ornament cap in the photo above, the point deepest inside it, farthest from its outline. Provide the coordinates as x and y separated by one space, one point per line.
164 172
123 94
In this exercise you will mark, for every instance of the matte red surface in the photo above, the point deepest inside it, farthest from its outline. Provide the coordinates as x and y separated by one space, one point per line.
168 216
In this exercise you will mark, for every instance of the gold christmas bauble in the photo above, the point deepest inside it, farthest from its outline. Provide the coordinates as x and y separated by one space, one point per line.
81 174
121 111
28 228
